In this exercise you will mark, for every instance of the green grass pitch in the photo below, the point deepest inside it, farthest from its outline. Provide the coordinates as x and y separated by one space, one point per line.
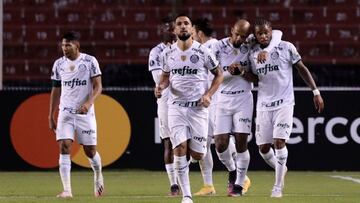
152 186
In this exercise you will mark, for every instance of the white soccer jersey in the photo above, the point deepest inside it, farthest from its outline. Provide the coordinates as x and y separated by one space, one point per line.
210 44
155 62
227 54
75 77
155 67
188 70
275 76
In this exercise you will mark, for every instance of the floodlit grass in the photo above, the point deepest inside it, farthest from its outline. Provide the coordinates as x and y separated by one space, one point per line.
150 186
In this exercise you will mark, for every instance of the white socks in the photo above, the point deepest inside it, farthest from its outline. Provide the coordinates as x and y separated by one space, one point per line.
242 164
182 172
232 147
269 158
171 173
227 159
206 165
280 167
95 163
64 169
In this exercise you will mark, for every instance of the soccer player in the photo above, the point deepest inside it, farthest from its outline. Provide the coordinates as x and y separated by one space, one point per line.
185 71
203 34
234 109
275 102
76 81
155 66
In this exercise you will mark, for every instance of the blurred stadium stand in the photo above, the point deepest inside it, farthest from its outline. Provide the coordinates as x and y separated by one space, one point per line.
120 33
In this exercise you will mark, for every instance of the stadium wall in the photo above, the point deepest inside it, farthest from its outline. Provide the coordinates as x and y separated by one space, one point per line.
127 135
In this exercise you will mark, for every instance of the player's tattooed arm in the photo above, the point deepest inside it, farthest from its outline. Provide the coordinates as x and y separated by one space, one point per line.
308 79
206 98
164 83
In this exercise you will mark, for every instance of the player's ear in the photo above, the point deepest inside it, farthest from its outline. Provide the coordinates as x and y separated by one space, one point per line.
77 44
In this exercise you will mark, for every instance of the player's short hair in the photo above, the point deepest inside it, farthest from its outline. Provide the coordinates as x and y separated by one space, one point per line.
183 15
261 22
203 24
71 36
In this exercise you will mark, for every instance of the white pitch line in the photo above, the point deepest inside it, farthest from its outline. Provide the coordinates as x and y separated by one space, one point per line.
347 178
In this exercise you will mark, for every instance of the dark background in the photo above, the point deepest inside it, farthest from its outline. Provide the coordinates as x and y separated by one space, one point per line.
143 153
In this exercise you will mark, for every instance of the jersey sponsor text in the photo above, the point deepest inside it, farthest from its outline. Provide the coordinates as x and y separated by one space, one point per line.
74 82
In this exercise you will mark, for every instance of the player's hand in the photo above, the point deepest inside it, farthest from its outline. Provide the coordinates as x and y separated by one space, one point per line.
83 109
233 69
242 70
205 100
52 123
157 91
261 58
319 103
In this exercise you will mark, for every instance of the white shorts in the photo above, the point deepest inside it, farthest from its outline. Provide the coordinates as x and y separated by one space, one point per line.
162 112
234 114
274 124
83 125
189 123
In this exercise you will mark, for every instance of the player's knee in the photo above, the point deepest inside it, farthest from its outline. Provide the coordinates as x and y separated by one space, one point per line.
241 148
90 151
167 144
221 143
196 155
241 142
65 147
168 156
279 143
265 148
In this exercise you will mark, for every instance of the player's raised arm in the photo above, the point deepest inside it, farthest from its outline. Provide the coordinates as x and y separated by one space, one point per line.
308 79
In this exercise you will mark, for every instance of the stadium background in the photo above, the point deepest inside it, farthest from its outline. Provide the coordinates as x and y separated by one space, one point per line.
120 33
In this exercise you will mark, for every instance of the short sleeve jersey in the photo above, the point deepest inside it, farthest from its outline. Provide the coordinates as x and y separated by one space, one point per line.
75 77
155 63
227 54
188 70
209 44
275 76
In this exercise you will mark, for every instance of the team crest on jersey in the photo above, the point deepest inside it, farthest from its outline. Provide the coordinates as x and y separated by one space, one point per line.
274 55
183 58
82 67
244 49
194 58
